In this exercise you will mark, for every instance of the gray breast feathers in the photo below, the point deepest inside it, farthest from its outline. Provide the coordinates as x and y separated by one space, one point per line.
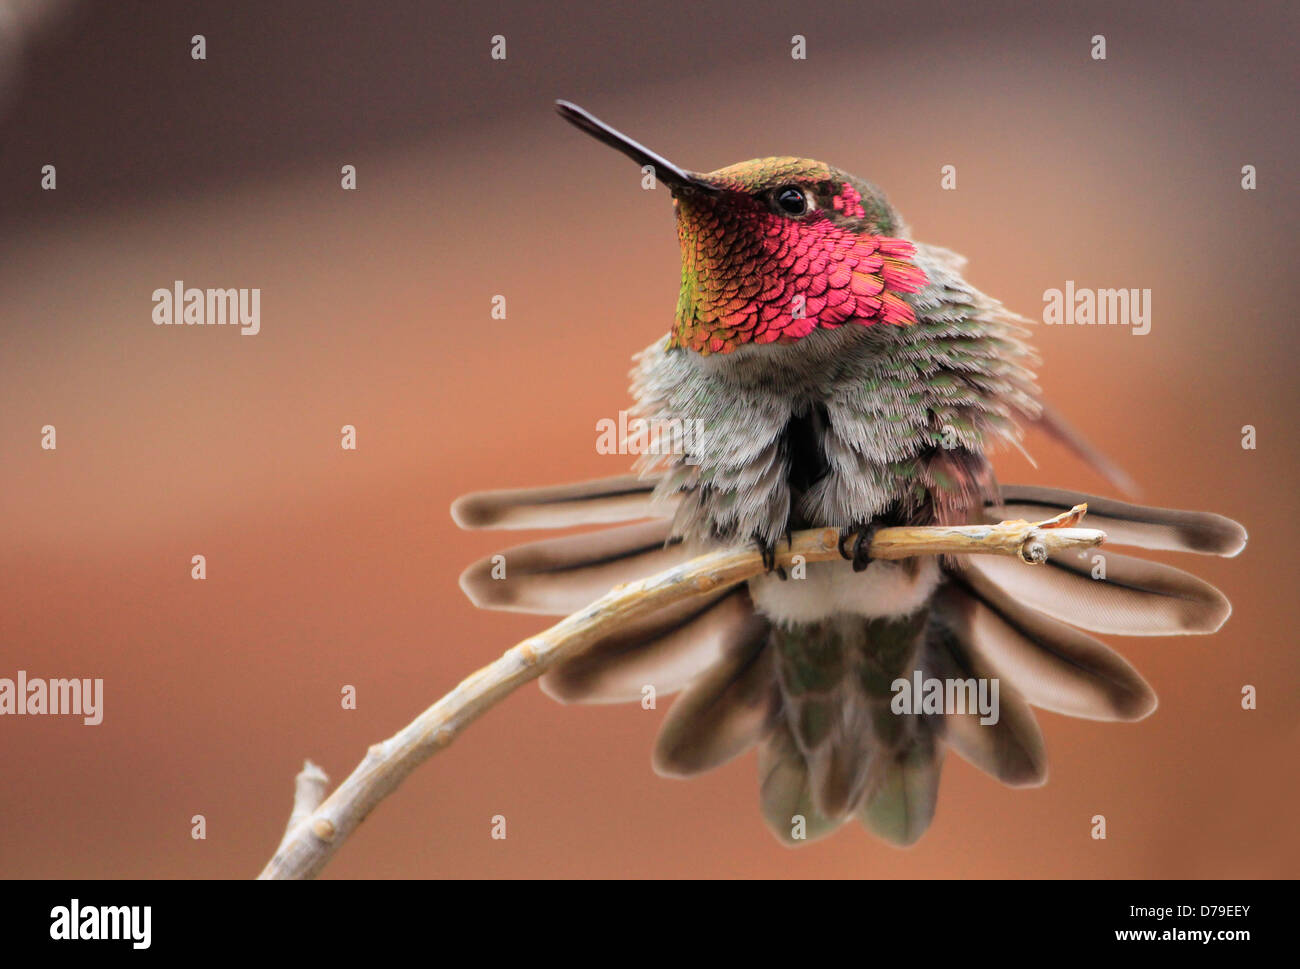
846 425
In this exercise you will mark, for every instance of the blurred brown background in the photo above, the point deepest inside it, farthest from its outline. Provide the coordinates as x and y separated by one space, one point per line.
328 567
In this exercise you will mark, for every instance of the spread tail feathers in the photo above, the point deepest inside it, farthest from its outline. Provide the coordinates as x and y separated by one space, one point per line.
558 576
1125 524
817 697
1055 666
666 651
726 710
1106 592
623 498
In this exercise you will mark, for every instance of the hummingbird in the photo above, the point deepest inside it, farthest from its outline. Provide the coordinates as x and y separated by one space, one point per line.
843 375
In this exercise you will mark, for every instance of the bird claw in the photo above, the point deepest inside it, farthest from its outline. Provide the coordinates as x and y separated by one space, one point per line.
768 552
861 553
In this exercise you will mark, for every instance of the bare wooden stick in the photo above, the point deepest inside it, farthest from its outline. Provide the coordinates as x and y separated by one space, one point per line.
310 843
308 792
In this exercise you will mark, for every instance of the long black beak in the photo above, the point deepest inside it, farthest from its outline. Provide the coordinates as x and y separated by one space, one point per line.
677 179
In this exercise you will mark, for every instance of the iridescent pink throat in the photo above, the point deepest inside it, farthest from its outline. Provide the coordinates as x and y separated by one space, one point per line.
750 275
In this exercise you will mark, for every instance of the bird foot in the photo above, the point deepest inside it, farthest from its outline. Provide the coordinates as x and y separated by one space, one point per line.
767 549
860 555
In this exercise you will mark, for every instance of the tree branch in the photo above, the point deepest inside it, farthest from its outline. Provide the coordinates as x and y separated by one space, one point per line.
308 792
312 840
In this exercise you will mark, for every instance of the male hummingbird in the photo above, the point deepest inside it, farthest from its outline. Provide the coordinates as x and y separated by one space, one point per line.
842 375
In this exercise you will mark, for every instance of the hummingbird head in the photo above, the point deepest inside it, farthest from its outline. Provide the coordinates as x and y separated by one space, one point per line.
775 248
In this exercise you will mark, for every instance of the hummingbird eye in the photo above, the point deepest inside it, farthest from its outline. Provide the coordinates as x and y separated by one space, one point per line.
791 200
